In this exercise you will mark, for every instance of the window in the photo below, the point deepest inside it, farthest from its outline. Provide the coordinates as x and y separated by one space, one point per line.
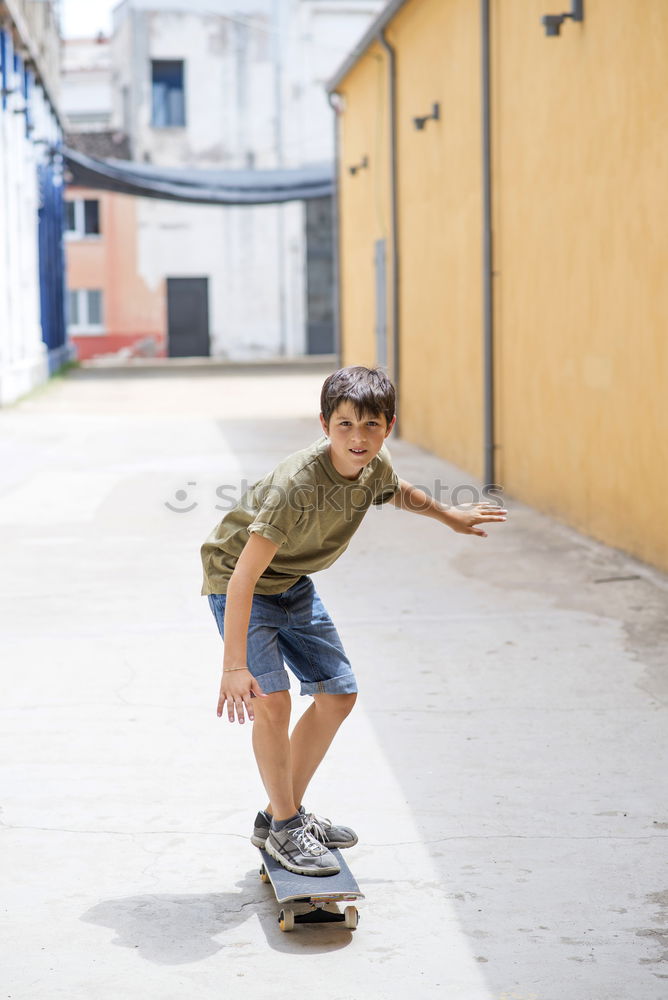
82 218
70 217
94 298
84 310
73 308
169 108
91 218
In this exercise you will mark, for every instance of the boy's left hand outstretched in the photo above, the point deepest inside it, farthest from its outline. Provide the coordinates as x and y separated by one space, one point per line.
237 688
466 518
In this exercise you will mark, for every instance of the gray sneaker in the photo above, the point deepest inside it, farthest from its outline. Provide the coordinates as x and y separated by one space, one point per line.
297 849
328 834
261 829
322 829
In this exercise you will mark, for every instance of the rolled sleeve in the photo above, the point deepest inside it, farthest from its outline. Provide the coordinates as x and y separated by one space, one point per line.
269 531
278 513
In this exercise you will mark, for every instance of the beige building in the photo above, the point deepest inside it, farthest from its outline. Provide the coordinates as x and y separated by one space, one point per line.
511 173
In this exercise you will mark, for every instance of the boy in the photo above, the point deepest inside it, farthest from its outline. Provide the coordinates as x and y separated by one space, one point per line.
298 520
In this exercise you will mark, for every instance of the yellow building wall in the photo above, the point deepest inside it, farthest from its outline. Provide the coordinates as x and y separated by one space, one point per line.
580 197
440 227
364 205
581 234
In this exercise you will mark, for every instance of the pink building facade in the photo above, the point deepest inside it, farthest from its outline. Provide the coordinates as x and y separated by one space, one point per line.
110 307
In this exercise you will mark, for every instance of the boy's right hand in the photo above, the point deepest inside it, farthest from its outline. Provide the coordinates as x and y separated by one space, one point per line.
237 688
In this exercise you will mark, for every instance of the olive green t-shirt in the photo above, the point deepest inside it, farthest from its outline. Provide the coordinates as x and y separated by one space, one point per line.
306 508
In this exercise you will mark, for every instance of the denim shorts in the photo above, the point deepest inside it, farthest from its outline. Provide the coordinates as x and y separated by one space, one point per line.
293 628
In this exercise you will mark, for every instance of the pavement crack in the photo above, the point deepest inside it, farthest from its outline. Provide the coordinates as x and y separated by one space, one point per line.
250 902
399 843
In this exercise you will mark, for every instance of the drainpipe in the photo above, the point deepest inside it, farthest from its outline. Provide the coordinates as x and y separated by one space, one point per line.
394 224
488 273
283 270
334 100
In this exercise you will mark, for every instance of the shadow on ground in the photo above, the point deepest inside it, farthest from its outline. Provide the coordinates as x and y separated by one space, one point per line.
181 929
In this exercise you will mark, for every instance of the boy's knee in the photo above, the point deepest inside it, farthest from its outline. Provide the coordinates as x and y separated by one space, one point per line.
337 704
274 709
348 701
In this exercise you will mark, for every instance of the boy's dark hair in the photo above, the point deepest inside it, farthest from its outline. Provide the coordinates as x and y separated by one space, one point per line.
368 389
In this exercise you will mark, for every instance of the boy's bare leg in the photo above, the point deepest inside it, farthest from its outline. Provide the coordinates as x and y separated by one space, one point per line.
310 741
271 744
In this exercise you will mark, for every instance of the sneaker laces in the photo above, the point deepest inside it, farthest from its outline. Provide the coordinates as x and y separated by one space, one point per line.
307 843
315 825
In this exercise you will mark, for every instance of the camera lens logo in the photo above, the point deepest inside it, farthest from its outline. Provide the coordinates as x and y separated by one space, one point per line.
181 496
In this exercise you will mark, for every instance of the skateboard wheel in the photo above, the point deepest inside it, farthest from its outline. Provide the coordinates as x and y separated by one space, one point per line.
263 874
351 917
286 920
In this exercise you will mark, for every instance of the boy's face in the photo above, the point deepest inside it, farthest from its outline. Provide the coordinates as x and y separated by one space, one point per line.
354 442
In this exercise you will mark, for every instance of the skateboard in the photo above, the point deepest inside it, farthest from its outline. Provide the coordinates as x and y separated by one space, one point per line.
317 892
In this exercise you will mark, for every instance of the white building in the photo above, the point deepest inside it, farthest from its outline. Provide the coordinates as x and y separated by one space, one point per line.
217 83
32 328
85 84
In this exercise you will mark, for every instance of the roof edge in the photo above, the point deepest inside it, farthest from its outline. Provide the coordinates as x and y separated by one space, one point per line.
370 35
21 27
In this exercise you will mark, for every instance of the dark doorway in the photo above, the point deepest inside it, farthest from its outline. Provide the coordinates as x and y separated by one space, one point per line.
188 318
320 276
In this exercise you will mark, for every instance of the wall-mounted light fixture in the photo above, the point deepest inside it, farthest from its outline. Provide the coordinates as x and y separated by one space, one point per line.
553 22
362 165
435 116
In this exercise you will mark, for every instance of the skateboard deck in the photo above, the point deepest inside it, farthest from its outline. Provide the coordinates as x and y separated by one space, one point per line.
317 892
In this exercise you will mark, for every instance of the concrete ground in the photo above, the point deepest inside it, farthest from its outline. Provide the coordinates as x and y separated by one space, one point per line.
505 766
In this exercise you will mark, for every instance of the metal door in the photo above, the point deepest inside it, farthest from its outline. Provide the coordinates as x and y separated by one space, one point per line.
188 317
319 276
